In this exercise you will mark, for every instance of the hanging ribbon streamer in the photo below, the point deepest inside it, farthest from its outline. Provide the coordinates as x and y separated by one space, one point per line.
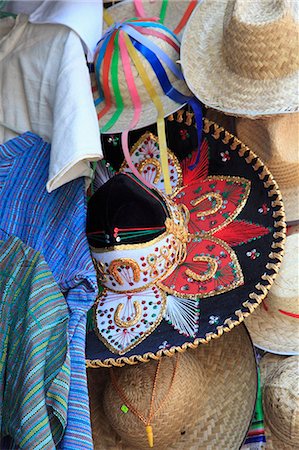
159 106
136 103
185 17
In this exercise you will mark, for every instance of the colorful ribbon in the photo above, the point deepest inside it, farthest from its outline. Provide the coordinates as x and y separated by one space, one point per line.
129 39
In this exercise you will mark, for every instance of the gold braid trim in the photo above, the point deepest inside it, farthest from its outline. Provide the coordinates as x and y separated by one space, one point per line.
279 236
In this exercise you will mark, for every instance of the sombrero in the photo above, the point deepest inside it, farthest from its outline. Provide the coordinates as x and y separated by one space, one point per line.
198 413
274 326
281 404
276 141
174 14
187 268
241 57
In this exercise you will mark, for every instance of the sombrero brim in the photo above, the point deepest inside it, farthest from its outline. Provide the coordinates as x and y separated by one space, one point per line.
274 332
174 11
220 313
223 420
212 81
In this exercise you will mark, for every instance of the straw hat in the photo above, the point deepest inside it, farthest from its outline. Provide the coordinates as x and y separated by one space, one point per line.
274 326
281 405
276 141
210 404
242 57
164 49
174 14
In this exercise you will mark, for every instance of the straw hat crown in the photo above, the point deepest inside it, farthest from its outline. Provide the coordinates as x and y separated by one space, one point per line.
281 401
246 56
259 38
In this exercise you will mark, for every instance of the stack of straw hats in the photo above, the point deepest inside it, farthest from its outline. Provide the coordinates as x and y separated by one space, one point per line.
241 58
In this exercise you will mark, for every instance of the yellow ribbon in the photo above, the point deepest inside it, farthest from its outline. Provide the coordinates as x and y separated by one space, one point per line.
108 19
159 106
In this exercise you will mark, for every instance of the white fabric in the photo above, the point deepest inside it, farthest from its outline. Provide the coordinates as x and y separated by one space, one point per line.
45 88
85 17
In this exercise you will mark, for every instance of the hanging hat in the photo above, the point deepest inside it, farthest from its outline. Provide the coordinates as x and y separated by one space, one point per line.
197 413
179 272
174 14
241 57
138 82
135 69
276 141
274 326
281 405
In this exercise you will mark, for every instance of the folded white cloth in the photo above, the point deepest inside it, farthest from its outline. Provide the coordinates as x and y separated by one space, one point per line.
85 17
45 88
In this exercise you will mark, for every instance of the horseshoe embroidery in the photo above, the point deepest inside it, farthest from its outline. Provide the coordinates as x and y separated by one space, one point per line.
207 275
124 268
127 323
210 196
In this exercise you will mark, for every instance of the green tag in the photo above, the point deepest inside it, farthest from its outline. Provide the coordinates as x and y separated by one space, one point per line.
124 409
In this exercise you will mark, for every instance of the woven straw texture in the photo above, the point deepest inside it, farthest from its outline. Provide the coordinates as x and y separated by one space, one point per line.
276 141
175 10
149 112
241 57
270 329
268 363
223 382
281 402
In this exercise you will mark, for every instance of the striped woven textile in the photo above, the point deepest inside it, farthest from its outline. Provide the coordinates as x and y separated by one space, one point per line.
256 438
54 224
35 364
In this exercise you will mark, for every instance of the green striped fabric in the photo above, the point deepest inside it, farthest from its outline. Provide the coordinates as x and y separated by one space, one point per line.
34 364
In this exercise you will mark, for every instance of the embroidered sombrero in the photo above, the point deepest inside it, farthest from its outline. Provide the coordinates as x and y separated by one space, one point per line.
198 414
174 14
274 326
177 272
241 57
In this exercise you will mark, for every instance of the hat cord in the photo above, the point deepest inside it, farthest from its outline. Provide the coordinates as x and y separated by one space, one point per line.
147 421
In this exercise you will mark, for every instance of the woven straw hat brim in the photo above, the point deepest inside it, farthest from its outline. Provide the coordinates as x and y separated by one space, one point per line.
211 80
227 401
125 10
273 332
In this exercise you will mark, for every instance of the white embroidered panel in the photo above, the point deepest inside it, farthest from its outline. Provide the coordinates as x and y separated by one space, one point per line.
124 320
183 315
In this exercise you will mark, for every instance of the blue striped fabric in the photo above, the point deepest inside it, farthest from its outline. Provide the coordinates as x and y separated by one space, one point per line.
35 364
54 224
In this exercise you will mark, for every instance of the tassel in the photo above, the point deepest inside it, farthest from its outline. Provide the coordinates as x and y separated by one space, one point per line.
150 435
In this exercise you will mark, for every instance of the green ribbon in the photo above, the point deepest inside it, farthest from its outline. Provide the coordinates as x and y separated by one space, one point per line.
163 11
115 86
